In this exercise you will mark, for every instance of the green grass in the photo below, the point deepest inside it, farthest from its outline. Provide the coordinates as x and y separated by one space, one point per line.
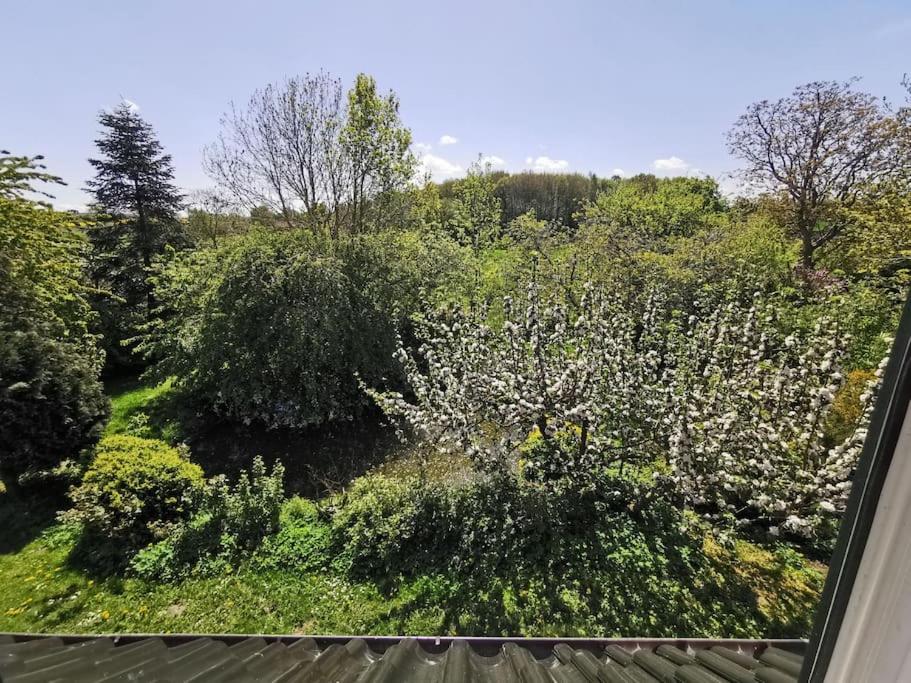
138 406
754 591
773 594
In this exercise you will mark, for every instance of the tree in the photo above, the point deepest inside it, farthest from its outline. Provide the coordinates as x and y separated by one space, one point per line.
313 158
644 209
283 153
211 216
134 189
475 210
377 147
820 152
18 173
51 402
554 197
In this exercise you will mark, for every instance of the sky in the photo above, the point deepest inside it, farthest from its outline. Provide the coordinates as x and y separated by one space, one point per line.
597 86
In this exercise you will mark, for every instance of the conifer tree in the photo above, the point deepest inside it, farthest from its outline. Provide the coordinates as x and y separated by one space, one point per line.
134 190
137 203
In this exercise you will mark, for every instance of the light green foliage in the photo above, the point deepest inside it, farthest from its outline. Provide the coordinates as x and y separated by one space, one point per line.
134 491
18 175
644 208
303 540
877 239
386 525
377 145
474 213
51 403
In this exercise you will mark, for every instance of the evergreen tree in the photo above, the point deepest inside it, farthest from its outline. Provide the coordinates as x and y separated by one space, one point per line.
136 196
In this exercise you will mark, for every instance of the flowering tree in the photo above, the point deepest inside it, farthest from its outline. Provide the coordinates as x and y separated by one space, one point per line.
735 406
573 379
748 407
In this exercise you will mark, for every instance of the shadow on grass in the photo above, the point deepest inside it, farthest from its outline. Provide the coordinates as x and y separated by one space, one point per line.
318 461
24 514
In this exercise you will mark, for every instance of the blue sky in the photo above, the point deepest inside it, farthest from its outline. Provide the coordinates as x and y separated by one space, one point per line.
582 86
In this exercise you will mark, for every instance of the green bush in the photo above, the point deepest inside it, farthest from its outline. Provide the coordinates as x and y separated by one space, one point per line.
386 526
51 402
134 491
229 524
275 328
302 542
493 525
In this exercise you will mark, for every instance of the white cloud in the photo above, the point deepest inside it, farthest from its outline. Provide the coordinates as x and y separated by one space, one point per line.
545 164
422 147
618 171
448 140
670 164
493 161
438 167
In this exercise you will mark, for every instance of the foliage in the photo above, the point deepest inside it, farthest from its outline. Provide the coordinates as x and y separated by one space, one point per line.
645 208
314 159
554 198
19 173
229 523
820 153
302 542
273 328
748 407
51 403
137 204
516 556
736 404
377 147
473 216
482 390
386 525
133 492
748 592
212 216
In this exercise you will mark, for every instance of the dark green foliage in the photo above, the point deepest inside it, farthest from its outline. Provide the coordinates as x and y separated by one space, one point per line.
553 197
51 402
276 328
133 492
616 558
138 203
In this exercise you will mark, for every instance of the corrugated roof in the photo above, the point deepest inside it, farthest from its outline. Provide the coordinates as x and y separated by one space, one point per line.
287 660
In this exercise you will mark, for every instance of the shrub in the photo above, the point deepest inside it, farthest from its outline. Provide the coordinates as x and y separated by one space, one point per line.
249 511
273 333
385 525
134 491
51 402
229 524
274 328
302 542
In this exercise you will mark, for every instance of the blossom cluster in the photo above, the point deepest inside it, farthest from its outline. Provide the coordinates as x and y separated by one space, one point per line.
730 400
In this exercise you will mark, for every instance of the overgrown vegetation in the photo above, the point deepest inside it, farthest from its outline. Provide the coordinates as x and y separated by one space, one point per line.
629 406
